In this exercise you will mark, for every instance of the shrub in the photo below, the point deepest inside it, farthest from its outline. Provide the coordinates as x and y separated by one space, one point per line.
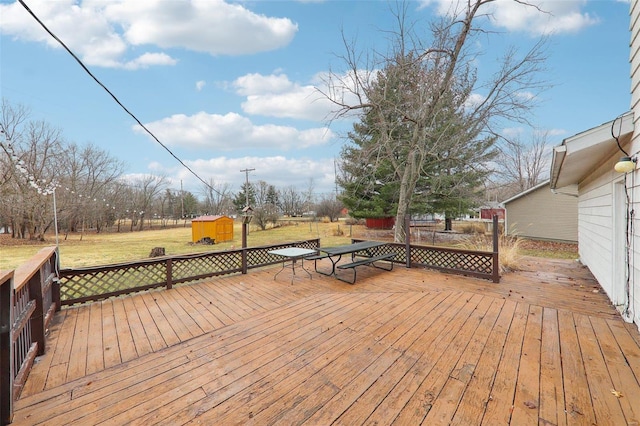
353 221
472 228
337 232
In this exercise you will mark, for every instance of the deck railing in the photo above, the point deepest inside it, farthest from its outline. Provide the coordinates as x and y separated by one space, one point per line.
29 296
474 263
79 285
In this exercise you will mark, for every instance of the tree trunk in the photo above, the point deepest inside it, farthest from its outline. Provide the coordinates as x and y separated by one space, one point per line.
407 186
448 224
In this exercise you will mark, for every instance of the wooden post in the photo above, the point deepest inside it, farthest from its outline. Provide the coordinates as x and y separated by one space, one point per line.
55 293
169 274
6 347
407 239
55 286
37 319
496 267
244 247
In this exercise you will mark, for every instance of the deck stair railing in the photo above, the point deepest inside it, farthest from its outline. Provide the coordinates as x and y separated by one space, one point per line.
29 297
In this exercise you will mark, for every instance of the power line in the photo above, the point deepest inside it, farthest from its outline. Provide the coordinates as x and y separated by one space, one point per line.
114 96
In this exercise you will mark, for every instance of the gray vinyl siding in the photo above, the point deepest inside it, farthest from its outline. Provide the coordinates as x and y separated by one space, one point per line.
543 215
596 244
634 59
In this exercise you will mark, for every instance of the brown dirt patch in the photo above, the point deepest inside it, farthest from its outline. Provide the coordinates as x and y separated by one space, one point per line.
550 246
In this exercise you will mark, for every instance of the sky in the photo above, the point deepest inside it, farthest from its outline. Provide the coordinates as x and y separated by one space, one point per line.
231 86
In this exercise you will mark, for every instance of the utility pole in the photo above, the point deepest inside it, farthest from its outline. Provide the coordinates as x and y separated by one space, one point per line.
335 176
181 200
245 220
246 187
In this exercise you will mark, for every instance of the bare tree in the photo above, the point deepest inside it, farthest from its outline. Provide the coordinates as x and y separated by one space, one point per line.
522 166
32 153
88 176
262 191
147 189
291 202
418 102
309 200
330 207
217 197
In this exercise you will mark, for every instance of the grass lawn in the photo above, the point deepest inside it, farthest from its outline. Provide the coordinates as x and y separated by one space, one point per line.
93 249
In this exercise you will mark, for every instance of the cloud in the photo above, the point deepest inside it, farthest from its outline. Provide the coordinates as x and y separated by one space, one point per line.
525 95
474 100
231 132
538 18
556 132
200 85
104 33
280 171
211 26
149 59
258 84
512 132
276 96
556 17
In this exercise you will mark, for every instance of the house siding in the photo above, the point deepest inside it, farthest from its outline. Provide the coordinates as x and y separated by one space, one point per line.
595 229
543 215
632 179
608 237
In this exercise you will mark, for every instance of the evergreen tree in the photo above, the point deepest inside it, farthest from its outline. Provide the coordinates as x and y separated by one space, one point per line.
447 162
240 200
427 126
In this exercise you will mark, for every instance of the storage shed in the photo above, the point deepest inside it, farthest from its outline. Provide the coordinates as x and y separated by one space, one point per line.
217 228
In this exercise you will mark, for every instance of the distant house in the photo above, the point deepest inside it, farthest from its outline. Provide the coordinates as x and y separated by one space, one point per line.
540 214
487 213
214 228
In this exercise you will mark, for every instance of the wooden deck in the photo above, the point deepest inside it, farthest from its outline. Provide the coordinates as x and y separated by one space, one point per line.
403 347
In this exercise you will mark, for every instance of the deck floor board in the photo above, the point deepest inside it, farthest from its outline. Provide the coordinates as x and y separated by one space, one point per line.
408 346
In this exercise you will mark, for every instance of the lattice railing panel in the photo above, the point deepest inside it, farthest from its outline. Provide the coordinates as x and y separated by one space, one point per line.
78 284
386 249
81 285
259 256
456 260
212 264
443 258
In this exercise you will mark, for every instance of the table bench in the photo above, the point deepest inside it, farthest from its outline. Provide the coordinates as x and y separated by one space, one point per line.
370 261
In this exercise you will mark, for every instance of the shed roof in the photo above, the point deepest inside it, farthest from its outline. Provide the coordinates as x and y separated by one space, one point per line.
208 218
578 155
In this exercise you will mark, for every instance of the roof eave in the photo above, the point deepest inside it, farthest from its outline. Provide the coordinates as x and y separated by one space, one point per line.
579 154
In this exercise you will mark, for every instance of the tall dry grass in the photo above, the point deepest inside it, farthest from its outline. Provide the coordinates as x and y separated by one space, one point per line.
509 252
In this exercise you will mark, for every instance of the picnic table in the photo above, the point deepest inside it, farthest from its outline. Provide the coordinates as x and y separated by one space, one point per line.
362 249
